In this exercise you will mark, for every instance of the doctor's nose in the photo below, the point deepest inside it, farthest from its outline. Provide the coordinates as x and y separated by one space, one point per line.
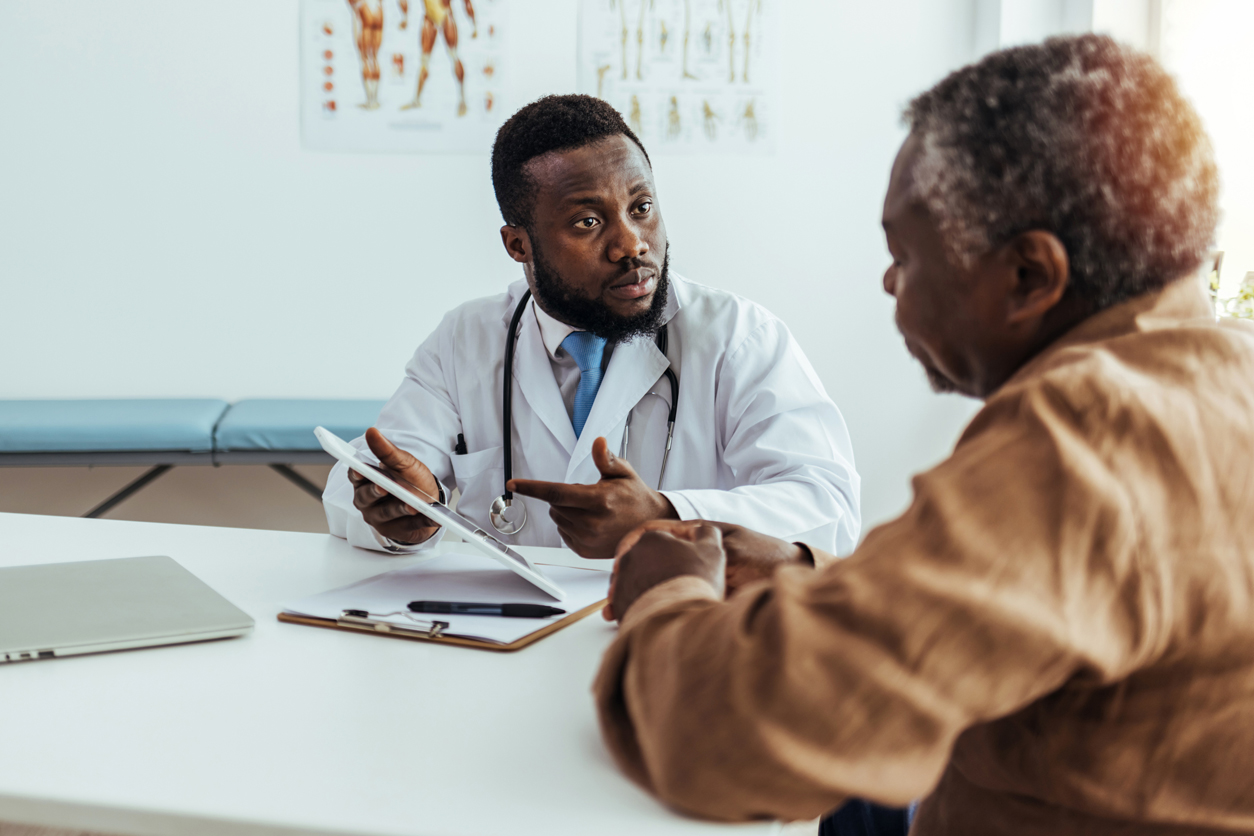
890 280
626 243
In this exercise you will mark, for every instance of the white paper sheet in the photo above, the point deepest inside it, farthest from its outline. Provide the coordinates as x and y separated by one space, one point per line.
459 577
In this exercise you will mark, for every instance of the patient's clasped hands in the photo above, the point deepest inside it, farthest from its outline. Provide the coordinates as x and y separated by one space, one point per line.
725 555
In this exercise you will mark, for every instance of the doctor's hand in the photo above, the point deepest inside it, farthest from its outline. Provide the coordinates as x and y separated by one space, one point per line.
593 518
385 513
659 551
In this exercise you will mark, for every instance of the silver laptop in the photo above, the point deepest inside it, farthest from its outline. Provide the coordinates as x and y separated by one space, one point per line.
64 609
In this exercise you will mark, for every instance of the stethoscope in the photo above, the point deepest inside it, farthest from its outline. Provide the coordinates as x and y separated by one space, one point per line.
496 512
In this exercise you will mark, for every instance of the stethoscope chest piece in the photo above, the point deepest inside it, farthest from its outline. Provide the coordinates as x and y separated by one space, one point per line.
508 517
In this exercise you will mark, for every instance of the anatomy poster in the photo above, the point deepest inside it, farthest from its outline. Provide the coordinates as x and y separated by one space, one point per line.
402 75
690 76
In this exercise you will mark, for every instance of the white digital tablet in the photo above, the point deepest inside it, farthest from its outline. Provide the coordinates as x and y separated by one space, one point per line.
440 514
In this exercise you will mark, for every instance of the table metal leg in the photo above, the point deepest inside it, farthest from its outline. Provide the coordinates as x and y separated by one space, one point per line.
134 487
299 481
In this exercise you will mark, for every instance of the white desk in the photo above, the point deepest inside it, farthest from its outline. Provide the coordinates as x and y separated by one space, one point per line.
299 730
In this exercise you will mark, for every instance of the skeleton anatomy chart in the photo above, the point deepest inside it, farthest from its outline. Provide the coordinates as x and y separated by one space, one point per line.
690 76
402 75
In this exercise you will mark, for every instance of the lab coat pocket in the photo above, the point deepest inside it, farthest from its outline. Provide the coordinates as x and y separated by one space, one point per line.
470 465
480 479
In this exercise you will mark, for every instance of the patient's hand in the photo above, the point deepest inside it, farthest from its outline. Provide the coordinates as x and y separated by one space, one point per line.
385 513
654 554
750 556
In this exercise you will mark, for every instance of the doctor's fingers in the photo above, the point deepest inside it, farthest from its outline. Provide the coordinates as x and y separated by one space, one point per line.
582 538
404 528
572 541
560 493
367 493
409 530
375 508
588 535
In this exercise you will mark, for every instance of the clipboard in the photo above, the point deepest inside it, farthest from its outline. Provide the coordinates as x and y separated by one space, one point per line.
379 605
394 631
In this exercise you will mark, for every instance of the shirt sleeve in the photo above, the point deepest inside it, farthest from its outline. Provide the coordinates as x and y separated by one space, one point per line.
786 443
1014 569
420 418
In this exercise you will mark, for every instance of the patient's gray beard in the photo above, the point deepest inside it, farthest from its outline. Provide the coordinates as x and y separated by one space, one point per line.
940 384
593 315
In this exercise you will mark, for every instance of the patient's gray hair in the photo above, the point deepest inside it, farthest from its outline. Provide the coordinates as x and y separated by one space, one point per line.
1078 136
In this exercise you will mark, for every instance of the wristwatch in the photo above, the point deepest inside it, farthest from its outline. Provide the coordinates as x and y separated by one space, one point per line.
397 547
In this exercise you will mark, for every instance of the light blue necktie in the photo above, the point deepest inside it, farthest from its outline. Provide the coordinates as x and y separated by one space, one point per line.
586 348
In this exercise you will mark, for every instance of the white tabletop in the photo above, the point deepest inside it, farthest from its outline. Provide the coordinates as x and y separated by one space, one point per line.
300 730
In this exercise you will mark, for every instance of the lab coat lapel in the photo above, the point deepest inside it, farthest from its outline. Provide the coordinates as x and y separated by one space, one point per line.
634 367
534 376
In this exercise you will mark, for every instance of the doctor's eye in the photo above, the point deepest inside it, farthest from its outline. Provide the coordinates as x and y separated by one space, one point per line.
586 223
644 208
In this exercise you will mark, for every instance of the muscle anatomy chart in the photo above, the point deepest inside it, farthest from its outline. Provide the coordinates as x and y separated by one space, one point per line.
691 76
402 75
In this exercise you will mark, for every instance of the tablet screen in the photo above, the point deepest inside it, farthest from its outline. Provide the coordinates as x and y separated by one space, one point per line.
442 514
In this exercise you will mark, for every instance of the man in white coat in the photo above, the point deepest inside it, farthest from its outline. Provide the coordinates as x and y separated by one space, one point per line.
599 322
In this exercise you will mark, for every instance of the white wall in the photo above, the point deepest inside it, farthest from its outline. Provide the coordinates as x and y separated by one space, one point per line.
163 234
1004 23
1206 45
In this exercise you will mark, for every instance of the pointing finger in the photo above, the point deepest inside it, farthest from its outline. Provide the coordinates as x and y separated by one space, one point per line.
554 493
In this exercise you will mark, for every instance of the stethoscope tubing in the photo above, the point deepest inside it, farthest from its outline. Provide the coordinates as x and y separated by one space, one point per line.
507 396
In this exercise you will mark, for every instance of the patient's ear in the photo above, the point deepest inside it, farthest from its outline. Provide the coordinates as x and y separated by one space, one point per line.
517 243
1041 274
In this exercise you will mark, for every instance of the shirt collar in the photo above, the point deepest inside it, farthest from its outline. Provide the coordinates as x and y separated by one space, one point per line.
552 331
1178 303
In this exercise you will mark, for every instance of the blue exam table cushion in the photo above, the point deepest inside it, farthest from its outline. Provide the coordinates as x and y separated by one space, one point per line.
76 426
289 424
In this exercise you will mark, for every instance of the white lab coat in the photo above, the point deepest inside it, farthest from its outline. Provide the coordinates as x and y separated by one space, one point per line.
757 440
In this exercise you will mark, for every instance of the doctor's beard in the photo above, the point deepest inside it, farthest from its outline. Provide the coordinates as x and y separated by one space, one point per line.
592 315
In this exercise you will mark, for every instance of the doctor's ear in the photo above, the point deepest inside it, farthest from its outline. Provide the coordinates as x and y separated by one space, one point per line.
517 243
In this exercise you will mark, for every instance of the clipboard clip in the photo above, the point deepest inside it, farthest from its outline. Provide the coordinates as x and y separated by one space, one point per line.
362 618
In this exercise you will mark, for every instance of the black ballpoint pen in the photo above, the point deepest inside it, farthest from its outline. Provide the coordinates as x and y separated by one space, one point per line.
506 610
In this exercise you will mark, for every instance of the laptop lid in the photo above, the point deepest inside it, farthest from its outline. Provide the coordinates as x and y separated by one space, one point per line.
64 609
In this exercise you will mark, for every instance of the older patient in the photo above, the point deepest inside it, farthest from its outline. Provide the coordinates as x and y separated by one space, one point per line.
1058 635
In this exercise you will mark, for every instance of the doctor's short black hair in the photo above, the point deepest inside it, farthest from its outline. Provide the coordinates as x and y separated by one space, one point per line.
1079 136
553 123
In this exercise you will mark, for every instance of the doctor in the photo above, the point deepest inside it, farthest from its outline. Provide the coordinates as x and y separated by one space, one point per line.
628 393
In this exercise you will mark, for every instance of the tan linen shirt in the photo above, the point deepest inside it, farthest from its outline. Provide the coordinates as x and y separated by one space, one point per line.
1056 638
